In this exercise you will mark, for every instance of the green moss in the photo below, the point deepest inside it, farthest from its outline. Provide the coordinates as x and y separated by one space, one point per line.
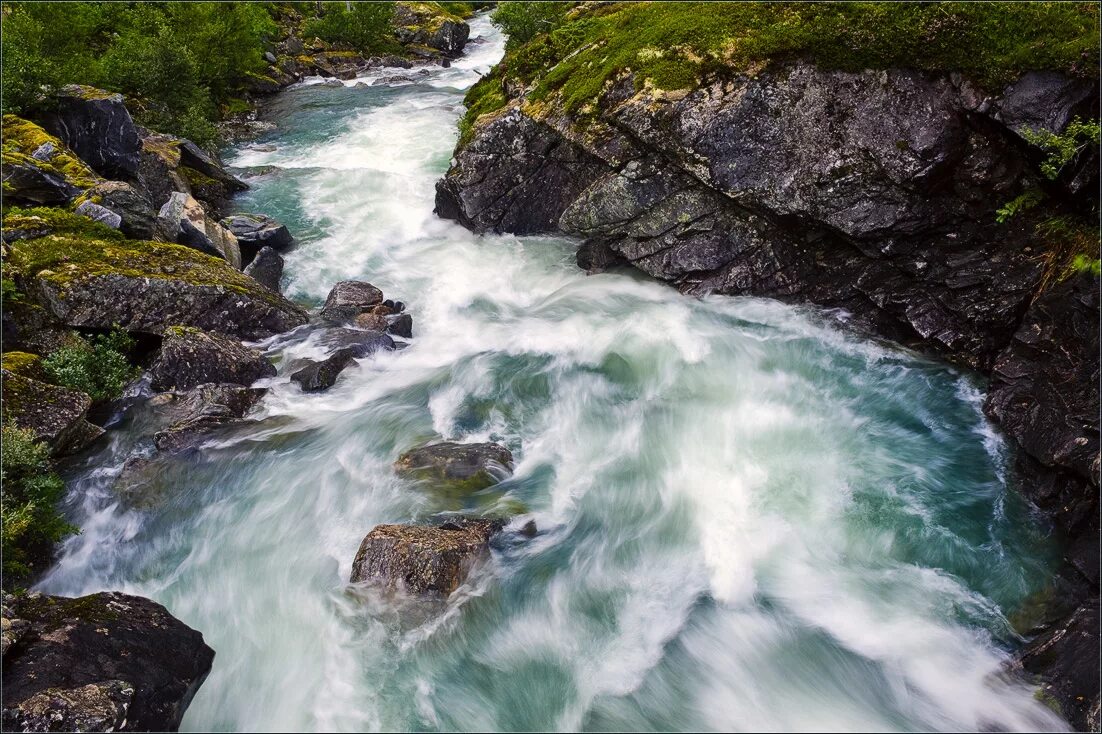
430 15
197 179
53 612
50 220
675 45
236 105
22 138
23 363
484 97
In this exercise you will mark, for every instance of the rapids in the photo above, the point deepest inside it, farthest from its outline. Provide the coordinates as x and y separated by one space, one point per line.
749 518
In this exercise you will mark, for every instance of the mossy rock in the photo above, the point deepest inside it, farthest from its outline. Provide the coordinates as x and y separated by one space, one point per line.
23 364
38 168
55 415
458 469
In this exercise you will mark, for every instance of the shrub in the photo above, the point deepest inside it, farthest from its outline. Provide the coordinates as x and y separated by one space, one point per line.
523 21
29 493
1061 149
98 367
362 26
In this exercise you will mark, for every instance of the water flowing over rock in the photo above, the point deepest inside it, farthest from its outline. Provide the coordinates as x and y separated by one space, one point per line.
472 465
104 662
97 126
190 357
199 411
423 559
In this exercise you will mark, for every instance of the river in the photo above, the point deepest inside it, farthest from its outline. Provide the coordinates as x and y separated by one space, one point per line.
749 518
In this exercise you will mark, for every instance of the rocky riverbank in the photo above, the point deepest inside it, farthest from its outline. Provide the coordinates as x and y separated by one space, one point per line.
880 193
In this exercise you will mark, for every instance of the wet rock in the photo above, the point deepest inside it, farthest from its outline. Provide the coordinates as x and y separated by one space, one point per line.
184 221
318 376
198 412
137 217
349 298
37 167
1066 660
1045 100
469 465
423 559
55 415
256 231
393 81
425 24
97 213
266 268
402 326
101 662
190 357
96 126
362 343
371 321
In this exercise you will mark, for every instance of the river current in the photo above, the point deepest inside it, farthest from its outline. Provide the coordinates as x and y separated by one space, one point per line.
749 519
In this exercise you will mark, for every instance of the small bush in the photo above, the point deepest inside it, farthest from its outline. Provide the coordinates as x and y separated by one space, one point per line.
1061 149
523 21
364 27
29 493
98 367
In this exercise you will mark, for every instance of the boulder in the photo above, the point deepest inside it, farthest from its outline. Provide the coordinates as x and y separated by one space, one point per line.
190 357
428 24
184 221
196 413
1065 658
1045 100
431 560
362 343
266 268
97 213
322 375
96 126
349 298
137 217
159 169
207 177
92 281
371 321
471 466
104 662
402 326
257 231
37 167
55 415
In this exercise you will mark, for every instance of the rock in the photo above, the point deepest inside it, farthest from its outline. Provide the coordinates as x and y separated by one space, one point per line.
269 57
392 81
196 413
145 287
471 466
196 159
190 357
159 169
318 376
362 343
37 167
256 231
371 321
401 326
427 24
96 126
266 269
1045 100
137 216
349 298
103 662
97 213
1044 394
184 221
1066 660
423 559
55 415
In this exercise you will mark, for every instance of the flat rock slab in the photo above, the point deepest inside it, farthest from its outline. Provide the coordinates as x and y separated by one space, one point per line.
103 662
471 466
190 357
423 559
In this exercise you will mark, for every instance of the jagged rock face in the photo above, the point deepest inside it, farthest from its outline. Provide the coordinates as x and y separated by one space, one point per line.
1067 658
37 167
184 221
871 191
56 415
104 662
137 217
190 357
423 559
1044 392
470 465
97 126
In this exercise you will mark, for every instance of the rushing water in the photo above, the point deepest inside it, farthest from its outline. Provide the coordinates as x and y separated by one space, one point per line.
749 520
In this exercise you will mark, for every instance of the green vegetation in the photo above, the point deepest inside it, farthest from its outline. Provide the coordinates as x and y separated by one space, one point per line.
1061 149
523 21
98 366
362 26
29 493
674 45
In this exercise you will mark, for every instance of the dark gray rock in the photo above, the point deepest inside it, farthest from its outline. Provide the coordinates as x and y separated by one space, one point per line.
195 414
30 184
465 465
96 126
423 559
362 343
190 357
348 299
1045 100
97 213
1065 658
103 662
137 216
55 415
318 376
256 231
184 221
402 326
266 268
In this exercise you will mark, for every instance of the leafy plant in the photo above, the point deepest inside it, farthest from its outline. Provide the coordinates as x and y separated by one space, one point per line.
1022 202
98 367
362 26
523 21
29 493
1063 147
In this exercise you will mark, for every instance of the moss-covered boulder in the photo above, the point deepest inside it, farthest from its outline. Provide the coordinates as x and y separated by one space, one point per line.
90 276
190 357
97 126
184 221
38 168
55 415
137 217
430 24
159 167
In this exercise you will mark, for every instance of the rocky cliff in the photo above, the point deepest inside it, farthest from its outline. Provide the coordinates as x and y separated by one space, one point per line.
882 192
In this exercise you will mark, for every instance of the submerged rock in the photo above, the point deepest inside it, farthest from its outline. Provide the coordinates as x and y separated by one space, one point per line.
190 357
362 343
348 299
104 662
96 126
423 559
318 376
55 415
201 410
470 465
402 326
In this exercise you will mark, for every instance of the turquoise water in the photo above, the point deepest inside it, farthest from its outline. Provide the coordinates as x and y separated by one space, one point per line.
749 519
